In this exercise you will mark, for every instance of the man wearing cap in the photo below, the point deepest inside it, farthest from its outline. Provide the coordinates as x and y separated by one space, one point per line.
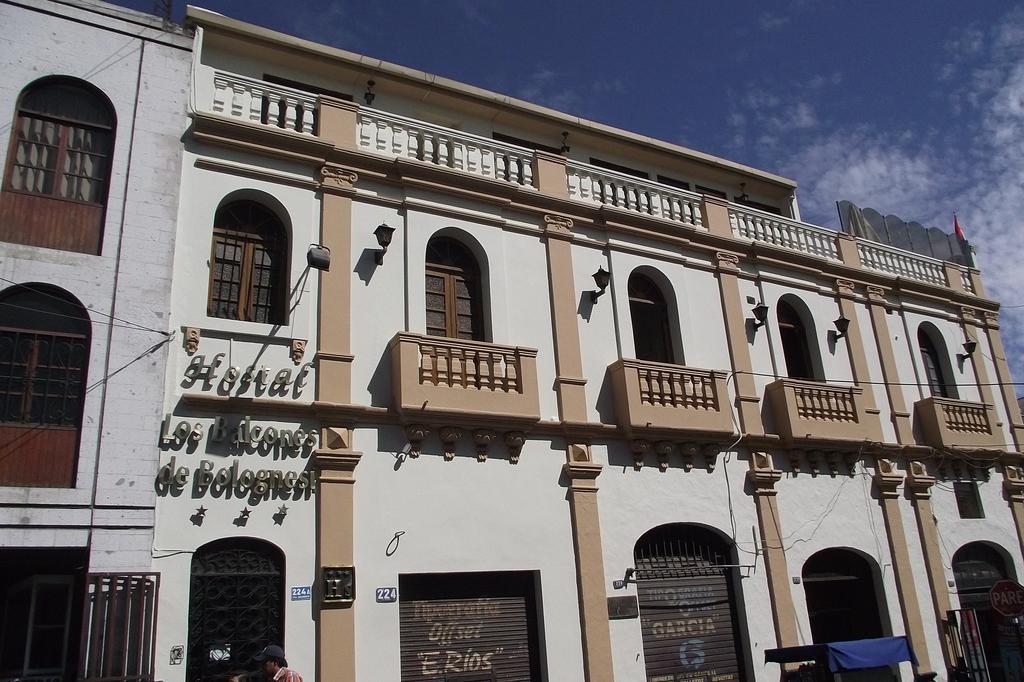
275 666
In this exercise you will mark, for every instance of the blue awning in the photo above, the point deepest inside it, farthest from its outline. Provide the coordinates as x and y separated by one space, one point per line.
852 655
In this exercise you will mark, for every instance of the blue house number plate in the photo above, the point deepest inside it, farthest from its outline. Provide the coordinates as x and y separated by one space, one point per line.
304 593
387 595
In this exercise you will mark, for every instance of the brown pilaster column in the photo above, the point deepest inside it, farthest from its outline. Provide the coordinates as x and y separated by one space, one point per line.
569 381
890 374
335 461
586 532
1013 484
1003 376
335 464
971 326
747 399
919 490
855 342
763 476
888 479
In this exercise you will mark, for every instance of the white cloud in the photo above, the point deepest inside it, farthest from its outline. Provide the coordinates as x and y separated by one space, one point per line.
772 22
977 168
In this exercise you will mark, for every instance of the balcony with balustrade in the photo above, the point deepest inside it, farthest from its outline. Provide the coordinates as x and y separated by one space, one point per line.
816 413
947 423
655 400
237 104
441 379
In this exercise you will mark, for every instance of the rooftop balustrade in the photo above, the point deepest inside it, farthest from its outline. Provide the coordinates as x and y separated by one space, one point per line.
268 105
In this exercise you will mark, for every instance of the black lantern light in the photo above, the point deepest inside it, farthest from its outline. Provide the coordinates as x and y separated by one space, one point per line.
760 312
602 277
319 257
969 348
842 325
383 233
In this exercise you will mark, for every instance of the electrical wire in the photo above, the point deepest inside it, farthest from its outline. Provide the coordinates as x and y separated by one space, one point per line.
80 319
135 325
887 383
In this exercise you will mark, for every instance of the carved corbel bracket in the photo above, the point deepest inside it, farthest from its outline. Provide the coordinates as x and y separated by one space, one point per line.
833 460
578 452
1013 482
814 462
483 438
416 433
690 450
844 287
336 177
710 453
191 340
664 450
514 441
876 295
887 477
640 448
557 225
450 436
298 349
919 483
795 460
727 261
762 474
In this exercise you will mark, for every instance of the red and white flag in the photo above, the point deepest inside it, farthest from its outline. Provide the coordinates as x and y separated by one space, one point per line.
957 229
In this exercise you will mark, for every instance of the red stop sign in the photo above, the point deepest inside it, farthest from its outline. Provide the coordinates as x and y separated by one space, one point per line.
1007 597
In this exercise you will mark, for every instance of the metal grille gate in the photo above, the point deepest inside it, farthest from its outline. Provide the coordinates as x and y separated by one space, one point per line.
687 607
235 608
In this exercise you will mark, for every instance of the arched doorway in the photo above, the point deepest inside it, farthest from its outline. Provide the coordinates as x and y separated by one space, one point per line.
236 606
976 567
688 604
842 605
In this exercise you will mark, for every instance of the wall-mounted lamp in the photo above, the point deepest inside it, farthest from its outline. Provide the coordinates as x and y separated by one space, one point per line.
369 95
383 234
602 277
760 312
319 257
842 325
969 348
565 143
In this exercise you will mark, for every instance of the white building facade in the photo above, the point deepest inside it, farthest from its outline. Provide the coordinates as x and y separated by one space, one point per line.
567 403
94 103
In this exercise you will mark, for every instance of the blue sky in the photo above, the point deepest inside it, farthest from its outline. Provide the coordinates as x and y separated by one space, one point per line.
914 108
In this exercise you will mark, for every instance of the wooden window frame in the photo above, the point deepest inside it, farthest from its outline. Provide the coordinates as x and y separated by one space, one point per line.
657 310
274 240
450 276
796 330
935 374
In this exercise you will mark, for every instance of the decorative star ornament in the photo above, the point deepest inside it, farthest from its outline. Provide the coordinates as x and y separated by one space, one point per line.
245 513
201 511
282 510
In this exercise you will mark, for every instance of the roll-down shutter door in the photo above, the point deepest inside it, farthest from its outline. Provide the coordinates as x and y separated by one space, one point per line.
687 626
458 636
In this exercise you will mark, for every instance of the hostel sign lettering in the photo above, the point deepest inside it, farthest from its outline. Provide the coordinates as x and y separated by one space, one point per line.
251 380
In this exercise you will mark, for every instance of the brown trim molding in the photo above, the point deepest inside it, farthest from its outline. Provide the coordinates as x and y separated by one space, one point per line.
888 480
748 402
586 537
900 417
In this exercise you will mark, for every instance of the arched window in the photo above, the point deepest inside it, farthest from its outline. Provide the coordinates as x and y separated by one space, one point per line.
236 605
58 168
796 342
248 265
689 616
976 567
936 369
839 585
454 291
44 354
652 334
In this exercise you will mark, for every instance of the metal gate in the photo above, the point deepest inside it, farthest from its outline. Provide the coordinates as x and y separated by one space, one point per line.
963 636
235 607
687 607
468 628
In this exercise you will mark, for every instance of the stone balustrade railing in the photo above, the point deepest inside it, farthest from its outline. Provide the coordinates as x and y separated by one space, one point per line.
439 376
675 386
887 259
462 364
758 226
949 423
597 185
261 103
821 402
407 138
265 104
